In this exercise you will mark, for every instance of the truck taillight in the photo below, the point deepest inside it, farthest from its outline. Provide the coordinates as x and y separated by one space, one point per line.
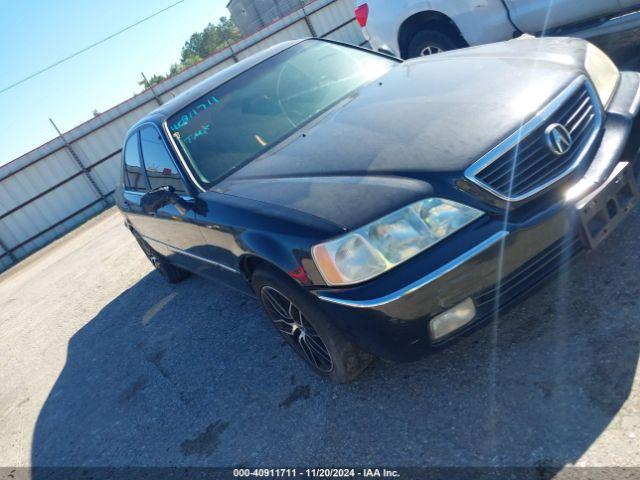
362 13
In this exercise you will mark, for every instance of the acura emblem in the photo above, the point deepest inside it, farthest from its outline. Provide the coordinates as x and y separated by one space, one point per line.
558 139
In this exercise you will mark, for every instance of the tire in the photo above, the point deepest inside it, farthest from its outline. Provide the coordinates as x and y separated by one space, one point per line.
171 273
305 328
434 40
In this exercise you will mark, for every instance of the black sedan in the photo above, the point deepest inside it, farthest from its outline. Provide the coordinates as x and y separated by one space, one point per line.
378 207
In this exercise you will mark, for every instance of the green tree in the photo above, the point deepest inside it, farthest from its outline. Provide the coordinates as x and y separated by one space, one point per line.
200 45
212 38
153 81
178 67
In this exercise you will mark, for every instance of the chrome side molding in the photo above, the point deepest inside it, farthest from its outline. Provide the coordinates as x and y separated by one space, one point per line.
197 257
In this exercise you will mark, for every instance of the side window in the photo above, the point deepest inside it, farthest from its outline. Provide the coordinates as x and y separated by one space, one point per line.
161 169
133 174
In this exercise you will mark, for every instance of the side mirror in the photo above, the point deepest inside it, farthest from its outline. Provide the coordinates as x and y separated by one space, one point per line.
155 199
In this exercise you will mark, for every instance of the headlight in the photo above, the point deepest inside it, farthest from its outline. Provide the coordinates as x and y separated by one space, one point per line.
603 72
375 248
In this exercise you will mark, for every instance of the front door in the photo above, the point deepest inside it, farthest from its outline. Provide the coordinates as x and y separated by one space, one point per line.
170 230
539 16
135 183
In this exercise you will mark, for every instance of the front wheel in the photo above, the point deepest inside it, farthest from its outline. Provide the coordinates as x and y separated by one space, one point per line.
171 273
304 327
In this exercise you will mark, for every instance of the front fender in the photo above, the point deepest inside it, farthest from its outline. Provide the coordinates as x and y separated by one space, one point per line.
284 254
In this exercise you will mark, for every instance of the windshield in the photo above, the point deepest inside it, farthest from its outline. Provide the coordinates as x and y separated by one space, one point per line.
241 119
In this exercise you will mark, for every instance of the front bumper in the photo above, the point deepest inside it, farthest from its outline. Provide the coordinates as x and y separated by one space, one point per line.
390 316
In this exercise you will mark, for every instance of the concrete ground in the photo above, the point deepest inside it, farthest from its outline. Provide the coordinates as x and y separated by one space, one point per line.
103 363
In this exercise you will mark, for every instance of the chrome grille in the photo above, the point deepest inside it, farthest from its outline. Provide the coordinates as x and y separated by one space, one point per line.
524 164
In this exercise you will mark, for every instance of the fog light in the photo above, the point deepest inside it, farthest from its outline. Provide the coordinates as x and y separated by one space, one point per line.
453 319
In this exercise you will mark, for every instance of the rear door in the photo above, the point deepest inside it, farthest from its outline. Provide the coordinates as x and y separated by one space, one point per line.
539 16
170 231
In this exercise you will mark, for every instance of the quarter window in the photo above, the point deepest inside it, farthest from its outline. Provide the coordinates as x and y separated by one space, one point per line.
133 171
161 169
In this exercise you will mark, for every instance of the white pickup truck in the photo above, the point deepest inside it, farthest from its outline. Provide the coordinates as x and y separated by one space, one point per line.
411 28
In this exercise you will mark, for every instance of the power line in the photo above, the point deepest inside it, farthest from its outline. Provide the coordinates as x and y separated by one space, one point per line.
88 47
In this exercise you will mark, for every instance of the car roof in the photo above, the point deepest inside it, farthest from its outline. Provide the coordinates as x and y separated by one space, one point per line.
185 98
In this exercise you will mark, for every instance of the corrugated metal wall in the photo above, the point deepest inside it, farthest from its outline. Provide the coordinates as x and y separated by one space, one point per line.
45 193
253 15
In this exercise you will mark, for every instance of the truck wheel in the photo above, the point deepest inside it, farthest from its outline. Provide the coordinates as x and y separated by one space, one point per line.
305 328
171 273
430 42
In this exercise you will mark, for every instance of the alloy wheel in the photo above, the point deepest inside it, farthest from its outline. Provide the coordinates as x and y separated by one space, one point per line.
155 261
151 255
296 329
430 50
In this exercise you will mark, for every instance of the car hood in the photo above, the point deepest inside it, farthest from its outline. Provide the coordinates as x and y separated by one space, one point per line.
412 133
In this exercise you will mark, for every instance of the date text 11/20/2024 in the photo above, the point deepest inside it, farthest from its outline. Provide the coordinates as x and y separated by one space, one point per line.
316 472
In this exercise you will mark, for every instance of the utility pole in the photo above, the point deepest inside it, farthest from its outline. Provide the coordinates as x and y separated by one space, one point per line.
84 169
307 20
233 54
149 86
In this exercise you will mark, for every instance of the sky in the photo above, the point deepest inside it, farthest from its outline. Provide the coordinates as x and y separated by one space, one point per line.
37 33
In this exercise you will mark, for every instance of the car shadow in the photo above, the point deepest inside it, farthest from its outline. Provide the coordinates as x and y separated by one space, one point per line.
193 374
